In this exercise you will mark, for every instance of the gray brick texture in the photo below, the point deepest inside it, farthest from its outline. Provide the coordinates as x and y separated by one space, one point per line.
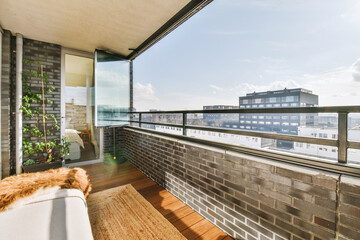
248 197
48 55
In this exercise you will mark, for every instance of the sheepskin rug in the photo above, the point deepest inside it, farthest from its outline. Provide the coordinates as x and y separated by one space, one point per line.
17 190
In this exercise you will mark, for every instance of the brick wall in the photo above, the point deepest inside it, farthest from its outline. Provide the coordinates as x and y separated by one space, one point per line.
114 145
249 197
48 55
349 210
5 103
76 117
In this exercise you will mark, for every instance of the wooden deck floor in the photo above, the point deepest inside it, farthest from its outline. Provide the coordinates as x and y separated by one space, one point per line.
187 221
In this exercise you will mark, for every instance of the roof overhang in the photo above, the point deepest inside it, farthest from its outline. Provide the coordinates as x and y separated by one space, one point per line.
125 27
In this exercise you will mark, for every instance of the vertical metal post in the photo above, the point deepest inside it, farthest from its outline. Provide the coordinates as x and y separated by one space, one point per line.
184 123
342 137
19 66
140 120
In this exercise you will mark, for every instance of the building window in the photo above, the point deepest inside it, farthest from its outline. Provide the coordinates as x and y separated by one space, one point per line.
272 100
325 135
334 136
294 104
285 105
269 105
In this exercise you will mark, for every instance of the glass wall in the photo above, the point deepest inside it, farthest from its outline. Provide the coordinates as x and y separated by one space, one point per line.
112 90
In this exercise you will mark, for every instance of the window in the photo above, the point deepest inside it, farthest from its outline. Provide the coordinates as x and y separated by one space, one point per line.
254 117
325 135
259 100
333 136
277 105
272 99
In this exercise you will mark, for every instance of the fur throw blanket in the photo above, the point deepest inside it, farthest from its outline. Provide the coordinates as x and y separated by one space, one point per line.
15 188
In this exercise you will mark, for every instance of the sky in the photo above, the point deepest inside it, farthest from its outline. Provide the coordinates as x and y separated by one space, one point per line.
234 47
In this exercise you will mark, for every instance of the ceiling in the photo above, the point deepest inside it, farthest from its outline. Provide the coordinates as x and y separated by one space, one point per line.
113 25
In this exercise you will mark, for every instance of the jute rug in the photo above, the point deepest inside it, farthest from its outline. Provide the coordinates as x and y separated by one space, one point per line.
122 213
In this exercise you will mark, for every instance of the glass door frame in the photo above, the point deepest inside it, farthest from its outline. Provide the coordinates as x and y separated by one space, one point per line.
78 53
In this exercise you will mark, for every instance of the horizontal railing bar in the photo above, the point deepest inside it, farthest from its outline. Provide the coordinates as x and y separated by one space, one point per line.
284 137
354 145
311 162
332 109
160 124
319 141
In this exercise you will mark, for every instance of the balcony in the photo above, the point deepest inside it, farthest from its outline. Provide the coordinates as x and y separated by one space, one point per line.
269 170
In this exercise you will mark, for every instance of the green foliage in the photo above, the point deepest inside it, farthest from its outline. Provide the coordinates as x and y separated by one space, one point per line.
32 110
29 162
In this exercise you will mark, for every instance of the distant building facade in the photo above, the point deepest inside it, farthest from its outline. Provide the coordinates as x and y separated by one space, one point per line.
278 123
328 152
220 116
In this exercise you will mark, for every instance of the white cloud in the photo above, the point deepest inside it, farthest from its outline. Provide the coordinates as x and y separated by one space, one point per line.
356 70
244 88
144 96
216 87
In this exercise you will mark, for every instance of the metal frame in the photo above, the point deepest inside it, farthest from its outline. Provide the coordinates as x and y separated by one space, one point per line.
184 14
342 142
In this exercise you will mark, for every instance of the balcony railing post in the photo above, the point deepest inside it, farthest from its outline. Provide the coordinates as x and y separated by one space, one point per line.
342 137
184 123
140 120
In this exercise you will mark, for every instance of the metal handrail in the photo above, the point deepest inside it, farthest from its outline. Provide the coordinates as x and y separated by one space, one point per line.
342 111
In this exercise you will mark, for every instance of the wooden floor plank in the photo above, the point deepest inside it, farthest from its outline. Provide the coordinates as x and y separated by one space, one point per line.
197 229
213 233
187 221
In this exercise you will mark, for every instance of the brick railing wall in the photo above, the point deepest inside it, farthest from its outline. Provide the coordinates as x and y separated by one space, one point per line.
249 197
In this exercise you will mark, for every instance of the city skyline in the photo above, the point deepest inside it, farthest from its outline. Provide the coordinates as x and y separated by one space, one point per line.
232 48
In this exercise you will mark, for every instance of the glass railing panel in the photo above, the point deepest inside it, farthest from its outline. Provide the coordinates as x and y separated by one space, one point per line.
353 156
354 127
167 118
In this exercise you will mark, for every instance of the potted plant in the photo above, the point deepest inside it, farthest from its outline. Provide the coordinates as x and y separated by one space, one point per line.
45 154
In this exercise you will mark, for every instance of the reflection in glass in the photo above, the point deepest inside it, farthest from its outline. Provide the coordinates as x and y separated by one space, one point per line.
112 90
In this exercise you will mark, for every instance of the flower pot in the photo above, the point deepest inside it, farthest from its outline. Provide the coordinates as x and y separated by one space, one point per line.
42 166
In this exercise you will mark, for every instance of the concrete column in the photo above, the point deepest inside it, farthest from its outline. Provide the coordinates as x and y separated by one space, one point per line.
1 33
19 65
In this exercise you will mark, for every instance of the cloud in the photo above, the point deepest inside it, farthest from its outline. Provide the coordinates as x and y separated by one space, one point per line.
356 70
144 96
216 87
244 88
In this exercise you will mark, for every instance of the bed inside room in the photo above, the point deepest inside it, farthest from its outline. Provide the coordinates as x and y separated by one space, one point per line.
79 109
